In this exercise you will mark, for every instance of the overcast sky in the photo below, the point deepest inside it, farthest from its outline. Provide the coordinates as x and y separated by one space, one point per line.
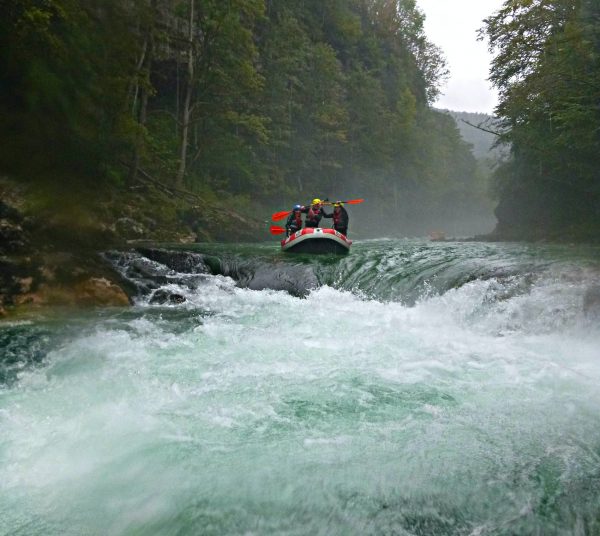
452 25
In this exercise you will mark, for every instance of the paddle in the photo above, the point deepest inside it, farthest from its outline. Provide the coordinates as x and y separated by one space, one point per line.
276 230
280 215
351 202
284 214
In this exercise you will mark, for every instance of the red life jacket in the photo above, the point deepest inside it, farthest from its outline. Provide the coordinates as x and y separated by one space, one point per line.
298 218
314 214
337 216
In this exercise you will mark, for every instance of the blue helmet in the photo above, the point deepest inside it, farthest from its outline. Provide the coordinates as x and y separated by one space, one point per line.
297 207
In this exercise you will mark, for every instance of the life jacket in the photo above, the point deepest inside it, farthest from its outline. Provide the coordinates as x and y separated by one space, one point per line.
294 222
298 219
314 215
337 217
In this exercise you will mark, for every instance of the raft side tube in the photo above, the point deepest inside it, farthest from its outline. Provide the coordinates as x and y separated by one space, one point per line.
316 240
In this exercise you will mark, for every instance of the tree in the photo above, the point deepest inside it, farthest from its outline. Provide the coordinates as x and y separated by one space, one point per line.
64 100
273 101
546 68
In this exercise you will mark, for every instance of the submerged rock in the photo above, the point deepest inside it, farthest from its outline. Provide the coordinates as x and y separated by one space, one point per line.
162 296
184 262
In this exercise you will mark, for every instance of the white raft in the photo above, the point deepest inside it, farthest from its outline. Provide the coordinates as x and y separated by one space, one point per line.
316 240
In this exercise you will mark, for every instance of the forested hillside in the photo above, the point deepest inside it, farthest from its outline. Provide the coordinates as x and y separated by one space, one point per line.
547 68
256 102
478 130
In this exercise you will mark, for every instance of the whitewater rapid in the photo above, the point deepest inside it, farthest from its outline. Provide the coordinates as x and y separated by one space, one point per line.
411 389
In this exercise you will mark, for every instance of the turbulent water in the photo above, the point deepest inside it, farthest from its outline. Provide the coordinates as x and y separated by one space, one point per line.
410 388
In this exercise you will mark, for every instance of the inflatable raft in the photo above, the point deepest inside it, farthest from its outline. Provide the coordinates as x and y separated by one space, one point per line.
316 240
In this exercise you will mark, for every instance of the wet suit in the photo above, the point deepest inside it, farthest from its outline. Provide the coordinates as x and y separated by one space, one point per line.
293 223
340 220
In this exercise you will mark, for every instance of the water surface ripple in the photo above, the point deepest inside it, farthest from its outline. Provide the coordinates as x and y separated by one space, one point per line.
409 388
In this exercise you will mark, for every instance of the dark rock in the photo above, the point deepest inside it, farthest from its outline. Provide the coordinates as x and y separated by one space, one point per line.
15 274
10 213
12 237
162 296
182 262
139 276
144 269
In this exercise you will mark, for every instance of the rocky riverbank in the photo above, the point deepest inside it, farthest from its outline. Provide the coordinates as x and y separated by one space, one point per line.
50 252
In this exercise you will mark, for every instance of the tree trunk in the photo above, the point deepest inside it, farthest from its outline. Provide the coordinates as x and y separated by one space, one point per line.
146 68
143 109
186 111
135 86
135 164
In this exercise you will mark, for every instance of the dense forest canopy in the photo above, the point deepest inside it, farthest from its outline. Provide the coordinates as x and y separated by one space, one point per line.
547 68
264 102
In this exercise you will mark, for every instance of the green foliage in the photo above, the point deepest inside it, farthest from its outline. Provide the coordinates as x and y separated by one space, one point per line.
65 89
548 72
272 101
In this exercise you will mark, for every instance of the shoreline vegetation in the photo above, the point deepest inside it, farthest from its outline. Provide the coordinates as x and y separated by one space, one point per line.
186 121
50 257
47 261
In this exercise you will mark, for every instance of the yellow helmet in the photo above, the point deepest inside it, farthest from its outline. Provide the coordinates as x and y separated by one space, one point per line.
316 201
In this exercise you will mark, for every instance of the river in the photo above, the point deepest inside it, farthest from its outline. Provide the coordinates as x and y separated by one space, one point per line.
409 388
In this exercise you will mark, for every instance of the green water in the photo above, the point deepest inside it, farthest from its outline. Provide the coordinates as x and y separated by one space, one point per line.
409 388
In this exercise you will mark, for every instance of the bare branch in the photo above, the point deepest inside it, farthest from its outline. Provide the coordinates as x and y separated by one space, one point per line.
479 127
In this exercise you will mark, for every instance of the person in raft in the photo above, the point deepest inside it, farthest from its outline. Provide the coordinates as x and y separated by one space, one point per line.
340 218
294 221
314 213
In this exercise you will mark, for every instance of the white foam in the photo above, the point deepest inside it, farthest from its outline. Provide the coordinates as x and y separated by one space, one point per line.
332 392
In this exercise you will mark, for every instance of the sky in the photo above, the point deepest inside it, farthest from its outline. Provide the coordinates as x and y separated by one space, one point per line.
452 25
